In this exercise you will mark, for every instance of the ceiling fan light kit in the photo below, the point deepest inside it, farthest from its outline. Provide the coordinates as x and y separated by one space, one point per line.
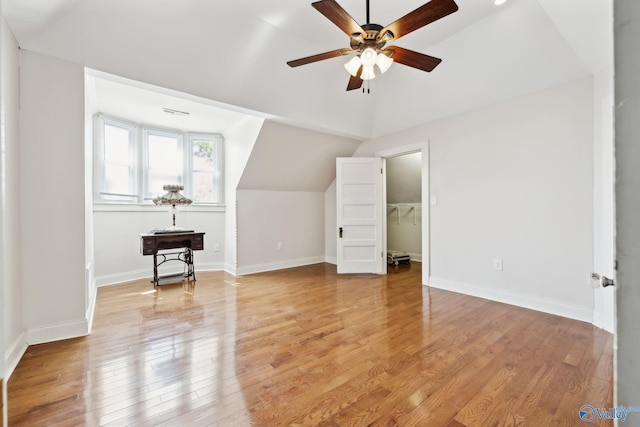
383 62
368 41
353 65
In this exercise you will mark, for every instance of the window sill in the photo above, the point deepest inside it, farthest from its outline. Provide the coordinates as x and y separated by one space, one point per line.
135 207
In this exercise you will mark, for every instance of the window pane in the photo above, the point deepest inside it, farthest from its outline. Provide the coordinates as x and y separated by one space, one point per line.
165 162
117 179
118 160
164 153
204 170
116 147
137 162
203 186
203 155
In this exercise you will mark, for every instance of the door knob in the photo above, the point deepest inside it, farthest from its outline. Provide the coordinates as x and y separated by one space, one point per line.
598 280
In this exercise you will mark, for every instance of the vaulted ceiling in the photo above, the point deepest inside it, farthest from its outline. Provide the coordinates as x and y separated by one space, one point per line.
235 52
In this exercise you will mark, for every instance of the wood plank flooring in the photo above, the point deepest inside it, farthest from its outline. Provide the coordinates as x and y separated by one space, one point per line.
303 347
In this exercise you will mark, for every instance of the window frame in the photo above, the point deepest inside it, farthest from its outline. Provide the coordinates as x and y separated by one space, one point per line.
218 166
100 173
147 193
139 150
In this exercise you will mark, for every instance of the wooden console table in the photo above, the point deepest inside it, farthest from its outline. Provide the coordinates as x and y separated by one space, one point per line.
189 241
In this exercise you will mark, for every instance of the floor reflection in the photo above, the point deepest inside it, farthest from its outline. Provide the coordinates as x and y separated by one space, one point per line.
302 358
305 346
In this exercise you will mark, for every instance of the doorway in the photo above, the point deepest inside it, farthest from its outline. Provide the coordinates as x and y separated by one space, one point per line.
404 209
422 213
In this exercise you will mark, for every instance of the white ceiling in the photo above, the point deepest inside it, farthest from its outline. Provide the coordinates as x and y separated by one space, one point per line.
145 104
233 55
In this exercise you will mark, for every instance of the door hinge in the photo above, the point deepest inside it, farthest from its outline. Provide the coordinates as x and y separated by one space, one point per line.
381 170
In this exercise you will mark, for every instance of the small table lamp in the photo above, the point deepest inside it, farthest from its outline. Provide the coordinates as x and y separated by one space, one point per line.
172 197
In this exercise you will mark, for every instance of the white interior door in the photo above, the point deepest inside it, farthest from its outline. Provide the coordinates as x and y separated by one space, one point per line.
359 189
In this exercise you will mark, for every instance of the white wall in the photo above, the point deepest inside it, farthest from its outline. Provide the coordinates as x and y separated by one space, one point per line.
513 181
239 142
117 235
11 277
290 158
403 178
295 218
52 167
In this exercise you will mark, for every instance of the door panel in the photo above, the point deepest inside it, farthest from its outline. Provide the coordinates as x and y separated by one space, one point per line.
359 214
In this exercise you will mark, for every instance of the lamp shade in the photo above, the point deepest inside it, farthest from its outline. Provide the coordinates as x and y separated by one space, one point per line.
172 196
367 72
353 65
368 57
383 62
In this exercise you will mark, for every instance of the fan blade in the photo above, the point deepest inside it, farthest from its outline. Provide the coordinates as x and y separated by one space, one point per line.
319 57
413 59
425 14
336 14
355 82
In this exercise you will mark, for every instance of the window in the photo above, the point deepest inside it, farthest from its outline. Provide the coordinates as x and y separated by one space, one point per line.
206 168
133 163
164 163
118 162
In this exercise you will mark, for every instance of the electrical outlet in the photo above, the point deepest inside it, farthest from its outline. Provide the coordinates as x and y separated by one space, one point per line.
280 246
497 264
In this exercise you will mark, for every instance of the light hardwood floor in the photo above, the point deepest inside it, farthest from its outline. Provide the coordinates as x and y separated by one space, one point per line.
306 347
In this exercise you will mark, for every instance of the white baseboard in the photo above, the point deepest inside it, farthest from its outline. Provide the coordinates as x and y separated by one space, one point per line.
539 304
231 269
14 353
279 265
415 257
147 273
58 332
210 266
127 276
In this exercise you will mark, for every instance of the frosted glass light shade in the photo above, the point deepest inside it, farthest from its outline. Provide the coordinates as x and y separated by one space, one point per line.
353 65
383 62
368 57
367 72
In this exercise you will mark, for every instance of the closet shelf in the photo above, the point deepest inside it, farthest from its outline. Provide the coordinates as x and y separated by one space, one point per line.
411 206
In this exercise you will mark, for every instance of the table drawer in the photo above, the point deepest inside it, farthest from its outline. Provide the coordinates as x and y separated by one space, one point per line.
197 243
152 243
148 246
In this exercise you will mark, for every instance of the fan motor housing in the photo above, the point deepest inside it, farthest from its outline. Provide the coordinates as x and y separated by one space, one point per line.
359 41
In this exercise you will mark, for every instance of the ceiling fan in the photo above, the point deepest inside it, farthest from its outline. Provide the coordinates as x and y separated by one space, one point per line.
368 40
